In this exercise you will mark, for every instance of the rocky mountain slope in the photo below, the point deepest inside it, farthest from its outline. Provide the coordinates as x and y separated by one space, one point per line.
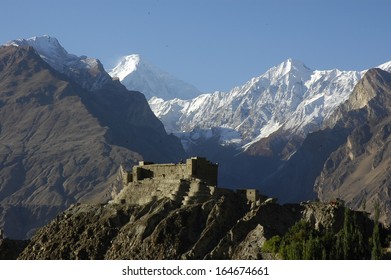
137 74
220 228
61 141
348 159
359 171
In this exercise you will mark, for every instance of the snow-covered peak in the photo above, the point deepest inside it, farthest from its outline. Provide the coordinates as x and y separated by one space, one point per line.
385 66
289 96
48 47
88 72
289 69
126 66
288 66
135 73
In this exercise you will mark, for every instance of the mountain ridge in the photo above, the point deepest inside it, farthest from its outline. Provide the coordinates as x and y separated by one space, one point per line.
284 97
88 72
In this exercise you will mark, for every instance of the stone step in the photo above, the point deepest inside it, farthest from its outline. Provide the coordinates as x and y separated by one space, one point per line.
194 199
181 192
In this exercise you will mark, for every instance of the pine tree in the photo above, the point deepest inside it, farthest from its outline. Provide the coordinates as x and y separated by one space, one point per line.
376 245
347 235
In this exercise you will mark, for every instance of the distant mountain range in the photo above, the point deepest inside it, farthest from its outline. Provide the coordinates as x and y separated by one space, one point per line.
289 98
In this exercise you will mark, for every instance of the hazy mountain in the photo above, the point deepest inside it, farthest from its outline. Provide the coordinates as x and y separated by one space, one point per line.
61 143
137 74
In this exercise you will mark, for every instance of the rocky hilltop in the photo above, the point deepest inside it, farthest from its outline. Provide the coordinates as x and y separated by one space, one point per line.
219 228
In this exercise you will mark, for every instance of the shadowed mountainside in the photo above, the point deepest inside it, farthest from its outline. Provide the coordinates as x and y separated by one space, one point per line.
61 144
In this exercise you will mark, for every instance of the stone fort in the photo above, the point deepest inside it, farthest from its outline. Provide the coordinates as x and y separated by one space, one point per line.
189 182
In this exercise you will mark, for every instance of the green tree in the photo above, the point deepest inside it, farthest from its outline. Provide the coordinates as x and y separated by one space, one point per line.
347 234
376 245
302 241
272 245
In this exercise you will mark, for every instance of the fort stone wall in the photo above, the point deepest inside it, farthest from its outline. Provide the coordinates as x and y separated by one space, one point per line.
192 182
172 171
202 169
195 167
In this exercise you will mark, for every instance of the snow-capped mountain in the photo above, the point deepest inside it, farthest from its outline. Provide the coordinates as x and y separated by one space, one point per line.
289 94
137 74
288 97
88 72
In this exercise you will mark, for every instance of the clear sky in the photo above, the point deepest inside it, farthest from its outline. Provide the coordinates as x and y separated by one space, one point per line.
212 44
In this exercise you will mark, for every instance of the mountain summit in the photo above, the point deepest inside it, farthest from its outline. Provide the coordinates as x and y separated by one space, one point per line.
290 67
87 72
137 74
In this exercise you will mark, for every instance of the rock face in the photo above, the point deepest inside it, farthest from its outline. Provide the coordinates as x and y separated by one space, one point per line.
350 158
221 228
359 170
61 143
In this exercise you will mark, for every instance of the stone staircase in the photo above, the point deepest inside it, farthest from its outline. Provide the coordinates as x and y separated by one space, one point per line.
181 191
198 193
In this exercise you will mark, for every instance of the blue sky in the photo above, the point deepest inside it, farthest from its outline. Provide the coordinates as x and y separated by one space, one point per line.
212 44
